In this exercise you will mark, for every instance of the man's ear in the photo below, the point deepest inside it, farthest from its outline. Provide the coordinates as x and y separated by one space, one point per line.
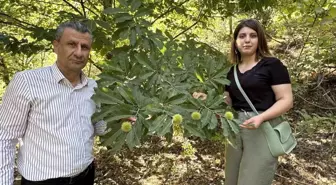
55 44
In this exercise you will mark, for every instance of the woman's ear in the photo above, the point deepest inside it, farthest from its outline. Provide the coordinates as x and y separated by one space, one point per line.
236 51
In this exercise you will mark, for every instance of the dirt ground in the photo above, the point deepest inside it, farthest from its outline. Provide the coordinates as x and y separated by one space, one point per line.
157 162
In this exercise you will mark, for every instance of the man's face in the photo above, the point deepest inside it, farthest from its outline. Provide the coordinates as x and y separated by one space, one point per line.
72 50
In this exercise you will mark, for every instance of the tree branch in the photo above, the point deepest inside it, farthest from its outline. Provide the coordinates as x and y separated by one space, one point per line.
328 108
195 23
168 11
92 11
83 7
51 3
73 7
17 20
5 73
291 179
12 24
93 6
305 41
93 63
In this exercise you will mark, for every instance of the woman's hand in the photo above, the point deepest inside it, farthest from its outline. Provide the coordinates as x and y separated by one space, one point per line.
199 95
253 123
227 98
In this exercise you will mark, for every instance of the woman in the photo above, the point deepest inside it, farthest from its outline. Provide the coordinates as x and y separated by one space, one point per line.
266 82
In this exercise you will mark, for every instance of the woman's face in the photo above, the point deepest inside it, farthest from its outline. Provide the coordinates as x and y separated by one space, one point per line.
247 41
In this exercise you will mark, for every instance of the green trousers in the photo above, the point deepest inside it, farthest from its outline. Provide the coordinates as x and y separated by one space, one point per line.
251 163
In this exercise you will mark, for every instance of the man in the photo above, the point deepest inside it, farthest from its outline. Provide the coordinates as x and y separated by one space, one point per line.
50 108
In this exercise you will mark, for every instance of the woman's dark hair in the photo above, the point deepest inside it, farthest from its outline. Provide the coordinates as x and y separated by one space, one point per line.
262 49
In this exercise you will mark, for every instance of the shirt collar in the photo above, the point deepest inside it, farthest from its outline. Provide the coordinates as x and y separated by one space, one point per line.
58 75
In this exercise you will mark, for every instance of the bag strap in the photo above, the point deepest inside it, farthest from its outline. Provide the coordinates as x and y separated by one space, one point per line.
242 91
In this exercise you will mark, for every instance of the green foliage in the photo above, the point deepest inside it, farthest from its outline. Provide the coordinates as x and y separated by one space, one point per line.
306 30
313 123
154 54
151 76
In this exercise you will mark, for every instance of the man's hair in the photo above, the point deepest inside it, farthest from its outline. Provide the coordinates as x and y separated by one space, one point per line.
76 25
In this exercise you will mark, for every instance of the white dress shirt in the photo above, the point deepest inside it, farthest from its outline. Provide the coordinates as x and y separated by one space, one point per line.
53 118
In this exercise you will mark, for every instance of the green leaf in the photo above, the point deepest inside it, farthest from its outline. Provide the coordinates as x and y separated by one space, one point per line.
117 33
146 75
91 25
112 11
194 130
142 12
133 37
112 139
211 67
234 126
215 102
107 97
332 12
135 5
104 24
221 73
157 123
118 117
206 117
142 59
222 81
158 43
213 122
120 142
123 3
225 127
154 110
101 115
319 10
214 84
102 100
123 18
166 128
153 80
125 95
195 102
130 139
199 76
177 99
138 131
113 68
185 107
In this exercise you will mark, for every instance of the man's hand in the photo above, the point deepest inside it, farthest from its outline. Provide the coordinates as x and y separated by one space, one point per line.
199 95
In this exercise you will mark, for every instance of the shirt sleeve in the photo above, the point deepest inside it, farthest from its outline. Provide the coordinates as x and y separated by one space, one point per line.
279 73
14 112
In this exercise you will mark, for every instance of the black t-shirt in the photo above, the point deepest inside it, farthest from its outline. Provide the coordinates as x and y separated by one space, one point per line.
257 83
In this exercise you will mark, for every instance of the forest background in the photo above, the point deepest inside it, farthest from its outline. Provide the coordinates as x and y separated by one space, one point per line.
302 33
